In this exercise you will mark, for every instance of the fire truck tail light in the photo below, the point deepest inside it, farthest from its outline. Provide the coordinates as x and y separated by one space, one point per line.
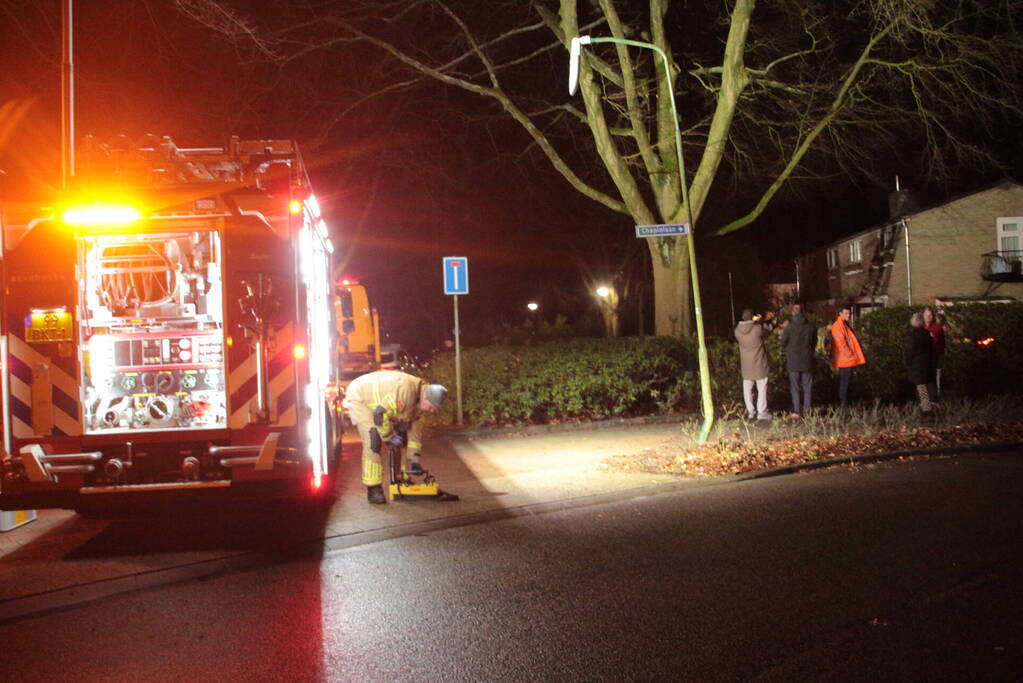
98 215
299 351
317 482
295 206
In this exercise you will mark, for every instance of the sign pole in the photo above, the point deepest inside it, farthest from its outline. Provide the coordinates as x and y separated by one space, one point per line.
458 362
456 281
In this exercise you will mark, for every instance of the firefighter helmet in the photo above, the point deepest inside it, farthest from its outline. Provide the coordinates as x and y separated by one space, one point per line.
435 393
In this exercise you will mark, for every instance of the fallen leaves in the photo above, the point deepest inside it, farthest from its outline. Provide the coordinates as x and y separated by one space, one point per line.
736 453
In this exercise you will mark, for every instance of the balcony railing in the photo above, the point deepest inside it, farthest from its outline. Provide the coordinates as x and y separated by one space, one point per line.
1002 266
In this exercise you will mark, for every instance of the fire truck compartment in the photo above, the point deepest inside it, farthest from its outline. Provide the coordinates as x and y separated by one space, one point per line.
152 332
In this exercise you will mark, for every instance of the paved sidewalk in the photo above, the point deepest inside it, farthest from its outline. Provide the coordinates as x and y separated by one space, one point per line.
63 558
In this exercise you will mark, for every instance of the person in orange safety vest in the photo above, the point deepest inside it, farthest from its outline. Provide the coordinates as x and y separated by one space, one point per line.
846 352
387 406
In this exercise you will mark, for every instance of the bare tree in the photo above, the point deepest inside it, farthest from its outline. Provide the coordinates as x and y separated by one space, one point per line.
769 95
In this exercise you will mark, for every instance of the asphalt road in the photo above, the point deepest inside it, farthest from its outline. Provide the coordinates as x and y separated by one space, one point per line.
900 571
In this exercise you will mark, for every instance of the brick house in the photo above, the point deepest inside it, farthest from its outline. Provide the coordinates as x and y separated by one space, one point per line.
964 249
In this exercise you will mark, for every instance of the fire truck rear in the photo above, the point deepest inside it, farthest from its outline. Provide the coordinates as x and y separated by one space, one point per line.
168 330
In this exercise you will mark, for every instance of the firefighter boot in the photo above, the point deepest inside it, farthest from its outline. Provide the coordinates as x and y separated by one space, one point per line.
375 495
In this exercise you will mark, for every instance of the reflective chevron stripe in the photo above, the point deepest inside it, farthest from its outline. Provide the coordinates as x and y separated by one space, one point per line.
64 390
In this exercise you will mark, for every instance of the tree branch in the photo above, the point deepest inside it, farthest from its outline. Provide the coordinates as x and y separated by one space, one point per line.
804 145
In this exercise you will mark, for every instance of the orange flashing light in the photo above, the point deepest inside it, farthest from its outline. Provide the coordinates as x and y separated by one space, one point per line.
100 215
299 351
295 206
986 342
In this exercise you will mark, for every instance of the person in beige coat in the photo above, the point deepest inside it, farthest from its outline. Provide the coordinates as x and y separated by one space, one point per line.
750 333
387 407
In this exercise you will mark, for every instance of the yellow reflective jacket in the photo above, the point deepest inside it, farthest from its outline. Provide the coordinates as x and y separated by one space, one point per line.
398 393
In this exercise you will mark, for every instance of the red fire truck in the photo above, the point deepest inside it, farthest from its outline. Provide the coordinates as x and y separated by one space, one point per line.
168 330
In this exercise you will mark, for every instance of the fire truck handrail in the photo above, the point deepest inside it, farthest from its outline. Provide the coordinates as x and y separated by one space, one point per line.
233 450
40 467
71 469
264 460
225 450
72 458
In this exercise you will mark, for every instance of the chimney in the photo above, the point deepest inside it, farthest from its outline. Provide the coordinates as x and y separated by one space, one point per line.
901 202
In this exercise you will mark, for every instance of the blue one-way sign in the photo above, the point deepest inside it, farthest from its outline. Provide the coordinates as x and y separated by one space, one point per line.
456 275
662 230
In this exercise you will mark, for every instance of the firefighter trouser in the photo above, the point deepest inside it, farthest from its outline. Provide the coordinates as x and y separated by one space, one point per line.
373 463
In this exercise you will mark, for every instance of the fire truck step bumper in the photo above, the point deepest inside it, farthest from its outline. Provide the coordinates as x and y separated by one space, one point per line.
167 486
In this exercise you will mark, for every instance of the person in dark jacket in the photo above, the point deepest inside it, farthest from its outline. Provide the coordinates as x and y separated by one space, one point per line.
919 359
799 339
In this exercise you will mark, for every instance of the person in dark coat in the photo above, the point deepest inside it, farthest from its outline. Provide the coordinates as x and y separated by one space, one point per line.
799 339
919 359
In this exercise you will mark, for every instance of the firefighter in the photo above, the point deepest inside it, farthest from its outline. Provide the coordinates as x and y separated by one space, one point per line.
387 407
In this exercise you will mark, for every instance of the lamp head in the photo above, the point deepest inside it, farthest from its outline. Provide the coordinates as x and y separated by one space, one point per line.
573 62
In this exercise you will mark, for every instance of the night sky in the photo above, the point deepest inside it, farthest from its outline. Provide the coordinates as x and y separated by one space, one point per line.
405 178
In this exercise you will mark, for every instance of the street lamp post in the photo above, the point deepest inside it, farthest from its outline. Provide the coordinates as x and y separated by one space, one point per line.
573 81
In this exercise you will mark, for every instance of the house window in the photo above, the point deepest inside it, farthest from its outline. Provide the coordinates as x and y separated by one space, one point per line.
832 259
1008 236
855 251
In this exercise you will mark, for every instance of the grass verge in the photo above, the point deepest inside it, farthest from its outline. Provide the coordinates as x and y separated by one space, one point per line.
738 446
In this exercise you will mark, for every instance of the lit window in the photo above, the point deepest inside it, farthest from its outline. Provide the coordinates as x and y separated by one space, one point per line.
855 251
1009 237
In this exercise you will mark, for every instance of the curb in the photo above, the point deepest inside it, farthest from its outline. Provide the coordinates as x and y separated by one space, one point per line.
873 457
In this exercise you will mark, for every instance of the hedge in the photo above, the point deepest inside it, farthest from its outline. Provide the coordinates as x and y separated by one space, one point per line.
602 378
581 378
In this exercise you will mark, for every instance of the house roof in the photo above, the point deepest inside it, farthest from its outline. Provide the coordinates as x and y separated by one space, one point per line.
923 209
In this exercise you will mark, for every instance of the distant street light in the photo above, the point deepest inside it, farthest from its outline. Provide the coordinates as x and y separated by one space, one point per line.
532 306
607 301
573 81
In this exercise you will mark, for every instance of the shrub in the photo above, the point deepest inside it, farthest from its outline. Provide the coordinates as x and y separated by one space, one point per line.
601 378
972 369
577 379
882 334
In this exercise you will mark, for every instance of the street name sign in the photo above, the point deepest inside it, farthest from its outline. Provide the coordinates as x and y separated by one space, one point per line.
456 275
662 230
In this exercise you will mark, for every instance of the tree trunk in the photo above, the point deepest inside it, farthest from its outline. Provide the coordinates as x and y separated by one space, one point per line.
673 314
